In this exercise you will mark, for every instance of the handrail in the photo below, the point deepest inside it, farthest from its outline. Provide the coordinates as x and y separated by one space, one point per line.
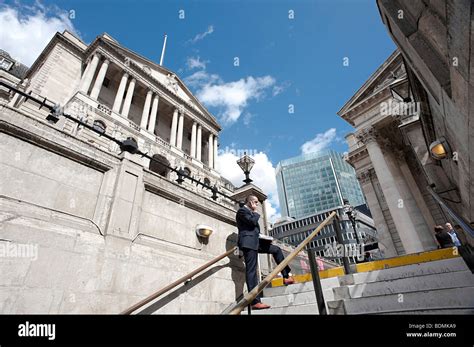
177 282
248 298
453 214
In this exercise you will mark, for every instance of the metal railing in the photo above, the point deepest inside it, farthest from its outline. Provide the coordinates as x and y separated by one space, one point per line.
176 283
250 296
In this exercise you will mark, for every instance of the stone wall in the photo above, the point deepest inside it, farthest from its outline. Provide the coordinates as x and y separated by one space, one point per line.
103 231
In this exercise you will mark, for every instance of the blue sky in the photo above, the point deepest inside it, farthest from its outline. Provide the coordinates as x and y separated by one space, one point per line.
282 62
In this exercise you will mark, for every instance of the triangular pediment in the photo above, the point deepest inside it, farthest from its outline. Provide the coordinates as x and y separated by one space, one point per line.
391 69
166 77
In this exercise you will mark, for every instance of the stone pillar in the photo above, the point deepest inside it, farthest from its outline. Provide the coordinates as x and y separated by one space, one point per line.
193 141
386 245
214 162
89 73
154 112
174 125
198 142
128 98
120 92
395 190
210 144
179 140
146 110
100 79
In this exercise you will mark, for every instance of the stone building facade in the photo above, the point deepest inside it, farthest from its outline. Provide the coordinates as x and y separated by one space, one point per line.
386 167
409 190
105 228
436 42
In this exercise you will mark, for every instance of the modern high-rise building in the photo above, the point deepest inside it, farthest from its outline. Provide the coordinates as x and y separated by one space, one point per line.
315 182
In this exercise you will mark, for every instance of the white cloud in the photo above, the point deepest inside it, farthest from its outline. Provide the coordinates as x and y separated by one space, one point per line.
233 97
201 78
196 63
277 89
24 36
198 37
320 142
263 175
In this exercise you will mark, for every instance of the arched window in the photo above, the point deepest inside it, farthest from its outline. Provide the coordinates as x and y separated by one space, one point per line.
99 126
158 165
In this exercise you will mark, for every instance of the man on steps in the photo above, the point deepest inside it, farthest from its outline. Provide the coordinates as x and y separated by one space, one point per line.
250 244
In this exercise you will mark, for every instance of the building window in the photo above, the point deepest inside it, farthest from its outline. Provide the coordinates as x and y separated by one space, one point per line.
99 126
159 165
5 63
207 181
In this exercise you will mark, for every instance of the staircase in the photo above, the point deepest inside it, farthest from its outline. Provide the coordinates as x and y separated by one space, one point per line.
435 282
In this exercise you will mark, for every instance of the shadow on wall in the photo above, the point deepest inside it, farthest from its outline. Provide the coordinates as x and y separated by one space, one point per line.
237 274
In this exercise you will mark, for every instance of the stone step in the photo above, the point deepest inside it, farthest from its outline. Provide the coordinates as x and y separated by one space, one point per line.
326 283
440 299
292 299
446 280
420 269
294 309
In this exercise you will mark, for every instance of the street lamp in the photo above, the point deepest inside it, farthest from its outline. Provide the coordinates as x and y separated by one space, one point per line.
246 164
400 90
351 213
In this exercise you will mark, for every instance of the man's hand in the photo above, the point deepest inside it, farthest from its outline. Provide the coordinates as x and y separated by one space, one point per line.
253 205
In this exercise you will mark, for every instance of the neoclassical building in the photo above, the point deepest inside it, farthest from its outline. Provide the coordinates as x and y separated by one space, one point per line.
104 227
412 145
126 94
382 151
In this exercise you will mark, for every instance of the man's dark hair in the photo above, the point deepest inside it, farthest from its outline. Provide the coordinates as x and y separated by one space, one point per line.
438 228
247 199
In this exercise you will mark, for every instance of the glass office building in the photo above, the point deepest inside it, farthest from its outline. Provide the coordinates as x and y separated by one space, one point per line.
316 182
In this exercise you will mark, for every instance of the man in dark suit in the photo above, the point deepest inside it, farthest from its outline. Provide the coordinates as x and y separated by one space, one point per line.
443 238
250 244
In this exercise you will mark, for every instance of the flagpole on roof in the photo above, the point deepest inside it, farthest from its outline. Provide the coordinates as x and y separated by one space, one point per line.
163 51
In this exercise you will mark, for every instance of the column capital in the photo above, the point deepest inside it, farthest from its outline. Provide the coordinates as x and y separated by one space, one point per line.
366 175
367 135
150 92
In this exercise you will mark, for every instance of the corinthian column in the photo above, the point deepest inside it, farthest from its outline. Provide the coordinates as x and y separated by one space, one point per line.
120 92
146 110
128 99
210 145
193 140
174 125
154 111
89 73
214 162
100 79
396 192
179 141
198 142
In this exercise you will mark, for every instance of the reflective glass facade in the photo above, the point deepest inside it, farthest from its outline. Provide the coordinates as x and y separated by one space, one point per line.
315 182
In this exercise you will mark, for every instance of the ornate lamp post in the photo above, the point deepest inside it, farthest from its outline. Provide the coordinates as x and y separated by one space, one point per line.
351 213
246 164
